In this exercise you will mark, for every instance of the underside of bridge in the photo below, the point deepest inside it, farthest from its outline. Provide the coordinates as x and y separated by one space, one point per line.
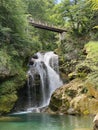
46 26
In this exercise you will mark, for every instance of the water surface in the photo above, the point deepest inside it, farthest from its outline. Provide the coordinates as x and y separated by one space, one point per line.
36 121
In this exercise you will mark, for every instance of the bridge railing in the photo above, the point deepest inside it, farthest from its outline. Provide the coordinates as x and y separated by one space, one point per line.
31 20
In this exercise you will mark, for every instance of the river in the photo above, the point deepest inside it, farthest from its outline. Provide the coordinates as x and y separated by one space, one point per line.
38 121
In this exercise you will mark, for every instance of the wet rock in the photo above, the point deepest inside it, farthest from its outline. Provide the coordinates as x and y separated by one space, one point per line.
31 62
71 111
35 56
32 59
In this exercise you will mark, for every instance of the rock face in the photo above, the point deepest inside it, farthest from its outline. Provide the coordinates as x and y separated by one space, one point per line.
74 98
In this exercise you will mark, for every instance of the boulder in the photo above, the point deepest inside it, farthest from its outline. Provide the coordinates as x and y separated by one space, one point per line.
74 98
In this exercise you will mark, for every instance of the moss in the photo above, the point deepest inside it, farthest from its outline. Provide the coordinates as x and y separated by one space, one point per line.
8 92
57 101
93 78
88 69
7 87
84 90
72 75
53 107
92 55
7 102
86 112
83 69
65 104
71 93
90 64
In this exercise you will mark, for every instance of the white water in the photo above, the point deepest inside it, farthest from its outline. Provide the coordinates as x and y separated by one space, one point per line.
45 69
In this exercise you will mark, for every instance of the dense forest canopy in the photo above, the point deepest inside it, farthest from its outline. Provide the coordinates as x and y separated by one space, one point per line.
77 16
19 40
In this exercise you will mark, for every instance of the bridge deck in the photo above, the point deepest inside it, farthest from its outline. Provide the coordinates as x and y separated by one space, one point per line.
46 27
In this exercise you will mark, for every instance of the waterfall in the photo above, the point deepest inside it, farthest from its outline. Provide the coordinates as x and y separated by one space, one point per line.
43 79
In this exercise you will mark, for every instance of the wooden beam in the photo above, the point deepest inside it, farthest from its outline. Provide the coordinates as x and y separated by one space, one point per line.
46 27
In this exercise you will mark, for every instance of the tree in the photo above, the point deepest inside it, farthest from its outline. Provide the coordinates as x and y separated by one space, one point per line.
78 16
94 7
95 4
13 20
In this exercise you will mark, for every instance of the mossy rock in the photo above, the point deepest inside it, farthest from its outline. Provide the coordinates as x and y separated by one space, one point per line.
84 90
71 93
84 69
72 75
55 103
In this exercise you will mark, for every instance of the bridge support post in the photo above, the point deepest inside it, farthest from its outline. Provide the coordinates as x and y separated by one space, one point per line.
61 36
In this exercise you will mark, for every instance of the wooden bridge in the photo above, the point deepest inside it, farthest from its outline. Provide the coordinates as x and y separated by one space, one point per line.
45 26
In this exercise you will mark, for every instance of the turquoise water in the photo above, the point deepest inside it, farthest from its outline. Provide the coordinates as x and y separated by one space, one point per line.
47 122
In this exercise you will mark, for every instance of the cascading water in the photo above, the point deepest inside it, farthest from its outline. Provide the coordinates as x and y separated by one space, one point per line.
43 79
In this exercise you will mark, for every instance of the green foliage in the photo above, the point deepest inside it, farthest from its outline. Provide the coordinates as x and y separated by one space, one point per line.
94 4
90 65
7 102
42 11
92 54
4 58
8 87
93 78
78 16
13 19
12 77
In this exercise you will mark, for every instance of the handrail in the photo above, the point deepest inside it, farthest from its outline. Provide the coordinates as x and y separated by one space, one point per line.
41 25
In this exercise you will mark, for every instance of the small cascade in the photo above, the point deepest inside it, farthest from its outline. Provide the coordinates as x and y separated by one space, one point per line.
43 79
